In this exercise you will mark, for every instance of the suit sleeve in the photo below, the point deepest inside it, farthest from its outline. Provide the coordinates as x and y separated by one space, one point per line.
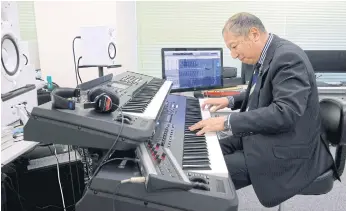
291 90
238 100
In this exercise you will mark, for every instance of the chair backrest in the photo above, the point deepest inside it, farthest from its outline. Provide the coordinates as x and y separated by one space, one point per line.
333 113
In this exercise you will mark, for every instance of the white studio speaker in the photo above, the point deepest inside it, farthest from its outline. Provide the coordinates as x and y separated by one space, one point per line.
9 113
11 56
98 46
24 45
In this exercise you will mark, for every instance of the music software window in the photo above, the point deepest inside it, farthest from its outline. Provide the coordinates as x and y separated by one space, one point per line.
193 69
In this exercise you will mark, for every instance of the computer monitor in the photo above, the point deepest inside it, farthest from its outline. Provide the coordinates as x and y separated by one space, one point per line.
327 61
192 69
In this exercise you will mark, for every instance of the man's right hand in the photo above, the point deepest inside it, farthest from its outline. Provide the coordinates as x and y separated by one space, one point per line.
215 104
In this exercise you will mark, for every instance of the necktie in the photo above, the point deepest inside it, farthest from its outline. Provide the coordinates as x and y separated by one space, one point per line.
254 78
253 85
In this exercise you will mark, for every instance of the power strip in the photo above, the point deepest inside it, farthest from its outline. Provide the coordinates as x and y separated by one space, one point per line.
51 160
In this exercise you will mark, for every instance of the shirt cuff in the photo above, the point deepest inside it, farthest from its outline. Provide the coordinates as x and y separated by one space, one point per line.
229 125
230 101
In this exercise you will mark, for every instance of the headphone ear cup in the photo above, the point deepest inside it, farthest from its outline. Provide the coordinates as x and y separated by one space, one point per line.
115 100
98 92
92 94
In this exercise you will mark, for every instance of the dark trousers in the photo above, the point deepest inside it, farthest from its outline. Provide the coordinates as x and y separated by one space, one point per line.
232 149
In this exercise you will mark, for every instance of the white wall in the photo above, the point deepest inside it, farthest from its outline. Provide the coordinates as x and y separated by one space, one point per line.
126 24
318 25
57 23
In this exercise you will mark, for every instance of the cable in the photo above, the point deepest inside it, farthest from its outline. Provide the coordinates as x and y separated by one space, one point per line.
77 69
131 180
74 57
9 178
11 186
134 180
75 155
105 157
69 162
57 167
41 208
86 163
17 178
27 112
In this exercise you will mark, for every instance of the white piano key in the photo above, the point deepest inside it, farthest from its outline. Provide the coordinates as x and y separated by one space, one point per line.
152 110
217 162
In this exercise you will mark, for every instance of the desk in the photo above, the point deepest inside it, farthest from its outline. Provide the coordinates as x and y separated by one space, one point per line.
16 150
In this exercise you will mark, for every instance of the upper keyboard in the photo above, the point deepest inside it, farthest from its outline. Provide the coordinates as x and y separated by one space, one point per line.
140 95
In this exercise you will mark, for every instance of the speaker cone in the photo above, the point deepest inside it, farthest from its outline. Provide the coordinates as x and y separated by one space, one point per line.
9 55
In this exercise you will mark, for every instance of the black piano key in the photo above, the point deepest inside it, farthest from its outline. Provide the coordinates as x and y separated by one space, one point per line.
140 102
135 106
195 150
195 157
194 147
196 162
191 152
196 167
192 135
205 154
193 141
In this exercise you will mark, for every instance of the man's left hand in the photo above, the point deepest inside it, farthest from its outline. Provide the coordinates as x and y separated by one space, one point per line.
209 125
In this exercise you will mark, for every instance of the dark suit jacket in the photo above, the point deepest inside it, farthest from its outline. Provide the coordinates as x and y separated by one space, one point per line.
281 129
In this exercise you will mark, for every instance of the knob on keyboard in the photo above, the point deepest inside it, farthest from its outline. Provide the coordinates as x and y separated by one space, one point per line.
200 186
198 179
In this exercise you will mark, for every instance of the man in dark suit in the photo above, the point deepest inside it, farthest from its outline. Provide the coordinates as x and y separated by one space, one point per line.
275 143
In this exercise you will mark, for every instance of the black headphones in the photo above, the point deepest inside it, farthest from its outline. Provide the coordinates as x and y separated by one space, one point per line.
102 100
59 98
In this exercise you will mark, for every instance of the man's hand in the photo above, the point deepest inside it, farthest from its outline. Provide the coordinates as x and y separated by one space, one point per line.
215 103
209 125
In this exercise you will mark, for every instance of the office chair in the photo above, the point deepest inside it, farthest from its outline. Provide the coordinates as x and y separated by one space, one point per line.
333 112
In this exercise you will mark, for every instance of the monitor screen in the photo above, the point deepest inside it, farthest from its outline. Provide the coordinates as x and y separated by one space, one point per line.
327 61
192 68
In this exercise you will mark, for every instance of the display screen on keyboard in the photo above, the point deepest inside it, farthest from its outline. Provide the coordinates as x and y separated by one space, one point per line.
192 69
